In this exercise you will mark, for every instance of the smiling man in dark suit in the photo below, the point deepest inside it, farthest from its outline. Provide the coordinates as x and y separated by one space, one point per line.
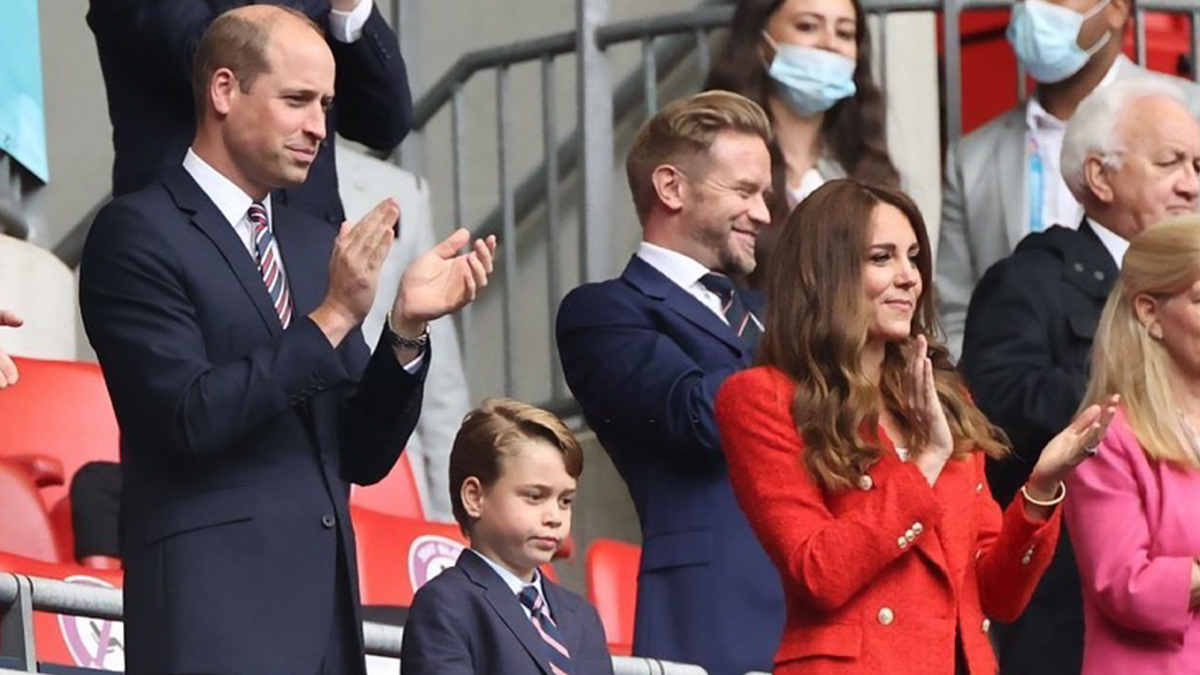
227 329
644 355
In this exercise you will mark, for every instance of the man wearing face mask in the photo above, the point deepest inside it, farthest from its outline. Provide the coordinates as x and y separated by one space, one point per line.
1003 181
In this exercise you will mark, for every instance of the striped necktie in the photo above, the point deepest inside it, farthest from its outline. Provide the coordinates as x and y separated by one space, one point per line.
266 253
556 650
740 319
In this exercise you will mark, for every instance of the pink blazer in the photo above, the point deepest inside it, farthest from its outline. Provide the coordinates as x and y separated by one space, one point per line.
1135 527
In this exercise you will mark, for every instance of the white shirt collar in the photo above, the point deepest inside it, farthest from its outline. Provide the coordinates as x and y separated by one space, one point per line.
1037 117
514 583
684 271
1115 243
230 200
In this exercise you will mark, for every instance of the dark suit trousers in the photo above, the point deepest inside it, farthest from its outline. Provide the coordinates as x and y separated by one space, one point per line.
341 655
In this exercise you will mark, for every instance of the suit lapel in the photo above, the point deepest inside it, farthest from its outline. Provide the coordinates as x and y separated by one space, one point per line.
204 216
653 284
1013 163
505 604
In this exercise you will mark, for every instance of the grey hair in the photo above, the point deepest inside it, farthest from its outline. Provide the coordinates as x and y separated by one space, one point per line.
1092 130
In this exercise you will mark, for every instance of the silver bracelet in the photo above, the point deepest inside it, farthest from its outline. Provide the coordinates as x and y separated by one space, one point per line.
395 339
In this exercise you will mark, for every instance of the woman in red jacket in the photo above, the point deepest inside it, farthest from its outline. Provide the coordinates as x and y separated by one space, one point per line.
859 458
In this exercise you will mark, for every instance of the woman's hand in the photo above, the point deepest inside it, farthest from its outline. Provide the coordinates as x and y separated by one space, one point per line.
1070 448
927 411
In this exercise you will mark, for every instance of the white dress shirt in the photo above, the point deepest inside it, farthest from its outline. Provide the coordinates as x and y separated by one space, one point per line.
684 271
230 200
348 26
1115 243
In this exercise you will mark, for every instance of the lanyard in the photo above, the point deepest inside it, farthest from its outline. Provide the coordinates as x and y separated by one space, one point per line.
1037 188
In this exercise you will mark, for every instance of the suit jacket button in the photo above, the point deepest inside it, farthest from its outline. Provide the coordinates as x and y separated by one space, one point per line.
328 521
886 616
987 624
865 482
902 542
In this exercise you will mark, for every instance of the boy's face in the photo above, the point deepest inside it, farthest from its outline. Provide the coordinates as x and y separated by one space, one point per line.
523 518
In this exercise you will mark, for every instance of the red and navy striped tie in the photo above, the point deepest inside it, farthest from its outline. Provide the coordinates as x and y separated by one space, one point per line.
740 319
556 649
266 253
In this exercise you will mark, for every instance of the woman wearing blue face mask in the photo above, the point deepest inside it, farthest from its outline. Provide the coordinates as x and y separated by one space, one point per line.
808 64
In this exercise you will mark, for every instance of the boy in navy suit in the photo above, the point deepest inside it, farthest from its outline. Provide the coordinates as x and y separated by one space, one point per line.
513 472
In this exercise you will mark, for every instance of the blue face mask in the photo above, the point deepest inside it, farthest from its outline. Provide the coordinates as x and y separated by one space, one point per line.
1045 38
811 80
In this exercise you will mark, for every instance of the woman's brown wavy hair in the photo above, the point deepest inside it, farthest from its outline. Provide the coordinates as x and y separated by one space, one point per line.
816 329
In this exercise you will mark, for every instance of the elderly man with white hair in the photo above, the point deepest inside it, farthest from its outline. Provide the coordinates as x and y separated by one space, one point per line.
1130 157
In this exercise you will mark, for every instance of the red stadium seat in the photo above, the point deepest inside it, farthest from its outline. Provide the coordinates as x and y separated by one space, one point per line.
397 555
25 525
612 568
395 495
61 414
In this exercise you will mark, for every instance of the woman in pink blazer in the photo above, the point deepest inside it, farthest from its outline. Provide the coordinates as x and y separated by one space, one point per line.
1134 509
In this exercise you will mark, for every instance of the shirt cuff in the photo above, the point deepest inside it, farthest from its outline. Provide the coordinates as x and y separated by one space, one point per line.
412 366
348 26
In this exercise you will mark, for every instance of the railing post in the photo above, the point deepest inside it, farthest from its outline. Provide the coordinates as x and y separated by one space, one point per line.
508 237
16 625
953 69
596 126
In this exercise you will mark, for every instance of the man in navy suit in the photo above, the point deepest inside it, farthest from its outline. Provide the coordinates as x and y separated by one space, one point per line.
227 329
146 49
644 355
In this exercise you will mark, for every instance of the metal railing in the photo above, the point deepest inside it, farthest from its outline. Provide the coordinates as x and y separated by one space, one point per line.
666 42
21 596
585 153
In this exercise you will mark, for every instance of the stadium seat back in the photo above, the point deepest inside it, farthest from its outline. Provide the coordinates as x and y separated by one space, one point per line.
395 495
25 524
61 410
612 569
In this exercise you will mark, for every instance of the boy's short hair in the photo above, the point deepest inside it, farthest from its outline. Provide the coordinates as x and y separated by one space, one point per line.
490 434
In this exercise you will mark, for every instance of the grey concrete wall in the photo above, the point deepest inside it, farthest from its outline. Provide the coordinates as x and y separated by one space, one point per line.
78 135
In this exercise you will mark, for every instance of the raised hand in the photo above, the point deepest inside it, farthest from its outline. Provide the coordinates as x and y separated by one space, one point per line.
1070 448
8 369
443 280
927 411
354 267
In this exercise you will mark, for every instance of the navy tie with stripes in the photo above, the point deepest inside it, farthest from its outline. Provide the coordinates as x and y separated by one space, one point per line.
556 649
741 320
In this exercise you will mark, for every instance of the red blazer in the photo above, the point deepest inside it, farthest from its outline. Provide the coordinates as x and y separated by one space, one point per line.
879 577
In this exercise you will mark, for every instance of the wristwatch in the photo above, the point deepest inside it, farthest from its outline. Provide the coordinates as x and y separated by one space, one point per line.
419 343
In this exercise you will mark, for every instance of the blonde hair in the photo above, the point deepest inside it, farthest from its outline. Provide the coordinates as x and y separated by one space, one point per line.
685 129
1162 261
